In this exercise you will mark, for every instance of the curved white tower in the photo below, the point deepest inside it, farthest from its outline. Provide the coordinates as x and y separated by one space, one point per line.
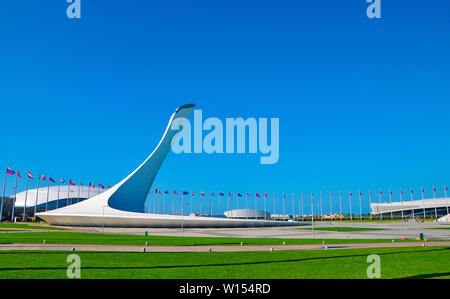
123 204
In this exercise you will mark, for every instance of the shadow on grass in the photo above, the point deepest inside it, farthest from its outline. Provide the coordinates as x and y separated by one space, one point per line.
425 276
204 265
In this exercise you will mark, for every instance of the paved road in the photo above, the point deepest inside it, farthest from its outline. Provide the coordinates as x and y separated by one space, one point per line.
390 230
218 248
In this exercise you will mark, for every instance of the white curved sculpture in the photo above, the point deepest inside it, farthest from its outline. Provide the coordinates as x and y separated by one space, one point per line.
123 204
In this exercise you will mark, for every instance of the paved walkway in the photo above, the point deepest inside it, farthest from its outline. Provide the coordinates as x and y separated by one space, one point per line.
218 248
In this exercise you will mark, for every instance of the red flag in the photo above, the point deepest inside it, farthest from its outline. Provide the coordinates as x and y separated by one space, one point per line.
265 194
18 174
248 195
257 195
175 192
70 183
30 175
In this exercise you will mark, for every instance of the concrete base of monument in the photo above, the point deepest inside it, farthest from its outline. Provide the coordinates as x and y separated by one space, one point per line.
158 221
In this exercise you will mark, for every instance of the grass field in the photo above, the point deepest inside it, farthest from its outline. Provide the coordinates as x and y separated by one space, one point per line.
4 226
116 239
341 229
407 262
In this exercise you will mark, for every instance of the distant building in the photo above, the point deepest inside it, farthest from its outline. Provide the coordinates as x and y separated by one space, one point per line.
441 206
247 214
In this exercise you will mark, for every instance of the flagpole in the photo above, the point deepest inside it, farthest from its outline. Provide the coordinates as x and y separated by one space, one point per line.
284 197
15 193
303 214
379 201
68 194
331 206
201 202
246 205
48 191
57 198
446 198
423 203
340 205
435 203
312 215
79 186
370 204
390 200
401 202
37 197
350 201
210 204
265 206
360 206
321 206
3 194
182 212
25 203
274 208
412 205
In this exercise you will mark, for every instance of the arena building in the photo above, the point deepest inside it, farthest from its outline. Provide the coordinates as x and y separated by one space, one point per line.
417 208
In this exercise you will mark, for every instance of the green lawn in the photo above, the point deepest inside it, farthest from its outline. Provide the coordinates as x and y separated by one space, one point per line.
341 229
27 226
408 262
116 239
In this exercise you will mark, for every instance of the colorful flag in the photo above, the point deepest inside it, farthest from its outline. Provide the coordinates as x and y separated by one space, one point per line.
101 186
62 181
185 192
239 194
248 195
30 175
42 177
434 189
92 185
175 192
109 187
71 183
10 171
257 195
265 194
18 174
203 194
446 188
51 180
166 192
211 193
193 193
351 194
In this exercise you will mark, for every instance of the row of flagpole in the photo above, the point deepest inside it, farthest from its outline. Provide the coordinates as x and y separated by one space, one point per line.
220 194
301 203
43 178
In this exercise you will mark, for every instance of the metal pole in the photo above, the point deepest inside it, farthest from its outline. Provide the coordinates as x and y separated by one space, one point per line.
390 200
37 197
284 197
370 204
321 206
446 198
57 198
303 214
350 202
331 206
379 201
48 191
274 208
360 206
25 203
15 193
79 186
182 212
3 195
68 193
435 203
401 202
412 204
312 215
423 203
340 206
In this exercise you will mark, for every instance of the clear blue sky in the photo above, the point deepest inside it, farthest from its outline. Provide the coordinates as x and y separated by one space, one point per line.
363 104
